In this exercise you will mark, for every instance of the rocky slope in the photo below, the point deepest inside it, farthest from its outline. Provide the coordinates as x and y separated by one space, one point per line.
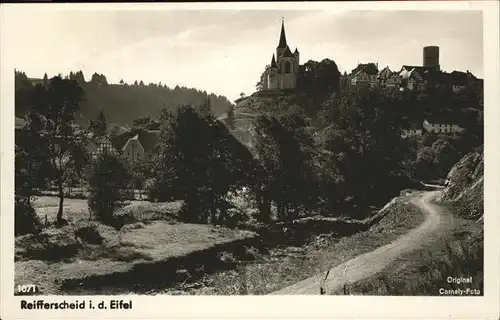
464 190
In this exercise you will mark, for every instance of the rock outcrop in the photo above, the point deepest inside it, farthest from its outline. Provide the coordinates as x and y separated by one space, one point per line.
464 189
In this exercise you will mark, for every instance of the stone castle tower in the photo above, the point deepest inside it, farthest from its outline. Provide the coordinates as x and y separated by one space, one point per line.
283 71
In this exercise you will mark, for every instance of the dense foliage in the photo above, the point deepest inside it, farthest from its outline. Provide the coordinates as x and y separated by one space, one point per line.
108 181
200 162
26 220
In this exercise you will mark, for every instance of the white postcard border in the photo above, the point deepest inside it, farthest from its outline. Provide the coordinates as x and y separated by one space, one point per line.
292 307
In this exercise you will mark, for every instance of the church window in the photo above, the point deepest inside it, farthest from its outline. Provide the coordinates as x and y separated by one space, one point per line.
287 67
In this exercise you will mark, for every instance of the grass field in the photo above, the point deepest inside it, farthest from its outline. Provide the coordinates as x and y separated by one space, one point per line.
57 255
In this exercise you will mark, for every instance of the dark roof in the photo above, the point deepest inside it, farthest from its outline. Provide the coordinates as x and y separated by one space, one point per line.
120 139
287 52
296 51
282 43
148 139
273 62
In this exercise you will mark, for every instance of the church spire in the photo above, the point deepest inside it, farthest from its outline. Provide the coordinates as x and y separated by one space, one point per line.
282 43
273 62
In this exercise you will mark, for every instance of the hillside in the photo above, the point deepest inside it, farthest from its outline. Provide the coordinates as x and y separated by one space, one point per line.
465 189
248 108
122 103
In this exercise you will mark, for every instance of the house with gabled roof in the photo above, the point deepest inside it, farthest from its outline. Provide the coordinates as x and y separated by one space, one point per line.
363 78
413 77
384 74
137 147
100 146
441 124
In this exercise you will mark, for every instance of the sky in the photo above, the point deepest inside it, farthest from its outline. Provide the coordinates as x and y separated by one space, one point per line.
225 51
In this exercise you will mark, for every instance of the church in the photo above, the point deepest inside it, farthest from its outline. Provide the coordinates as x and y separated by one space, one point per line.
283 71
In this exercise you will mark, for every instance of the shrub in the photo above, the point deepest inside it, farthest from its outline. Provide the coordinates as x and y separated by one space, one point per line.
89 234
150 186
50 245
108 180
26 220
235 217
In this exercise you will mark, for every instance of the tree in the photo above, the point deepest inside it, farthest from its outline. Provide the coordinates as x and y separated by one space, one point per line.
26 179
99 126
316 82
425 164
108 181
365 132
23 88
199 162
165 115
98 80
284 151
146 123
230 119
52 116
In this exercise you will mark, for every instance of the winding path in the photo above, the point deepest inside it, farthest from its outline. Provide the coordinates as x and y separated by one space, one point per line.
368 264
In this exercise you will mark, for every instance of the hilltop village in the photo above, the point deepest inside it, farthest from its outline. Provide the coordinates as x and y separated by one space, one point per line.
285 69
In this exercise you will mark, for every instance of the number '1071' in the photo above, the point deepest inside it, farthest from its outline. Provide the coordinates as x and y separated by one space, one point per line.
26 288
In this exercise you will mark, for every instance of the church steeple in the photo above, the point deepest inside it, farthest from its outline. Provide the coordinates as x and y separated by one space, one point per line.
282 44
273 62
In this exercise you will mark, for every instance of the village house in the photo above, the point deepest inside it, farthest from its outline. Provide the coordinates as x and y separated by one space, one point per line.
413 77
394 80
137 147
101 146
388 78
383 75
441 126
364 78
132 149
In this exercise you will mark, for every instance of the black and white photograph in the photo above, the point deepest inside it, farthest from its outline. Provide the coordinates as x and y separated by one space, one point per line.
223 152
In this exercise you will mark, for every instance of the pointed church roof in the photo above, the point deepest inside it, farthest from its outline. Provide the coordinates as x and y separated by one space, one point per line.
287 52
296 50
282 43
273 62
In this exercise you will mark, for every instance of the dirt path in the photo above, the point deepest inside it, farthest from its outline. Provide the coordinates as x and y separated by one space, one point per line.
366 265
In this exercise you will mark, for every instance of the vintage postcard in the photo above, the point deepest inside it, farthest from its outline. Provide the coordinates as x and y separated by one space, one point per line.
229 160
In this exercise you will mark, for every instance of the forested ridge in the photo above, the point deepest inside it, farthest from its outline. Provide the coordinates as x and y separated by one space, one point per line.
122 103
